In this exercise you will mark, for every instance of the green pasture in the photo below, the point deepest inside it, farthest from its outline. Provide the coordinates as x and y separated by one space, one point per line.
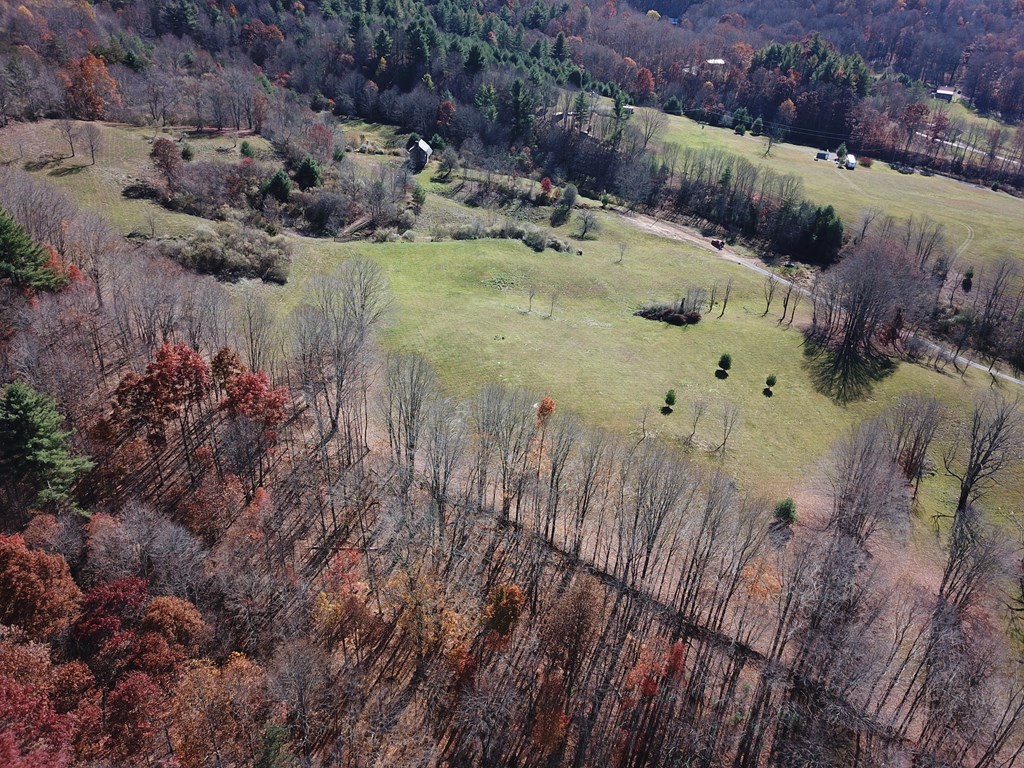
982 225
466 307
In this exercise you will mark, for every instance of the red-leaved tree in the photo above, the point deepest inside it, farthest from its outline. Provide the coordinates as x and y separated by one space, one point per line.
256 409
133 714
173 386
108 609
32 733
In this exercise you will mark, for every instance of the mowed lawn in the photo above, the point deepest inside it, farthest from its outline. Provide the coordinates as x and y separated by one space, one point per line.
984 226
466 307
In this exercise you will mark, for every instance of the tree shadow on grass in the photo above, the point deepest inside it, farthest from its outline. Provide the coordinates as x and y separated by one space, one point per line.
846 378
720 374
43 162
67 170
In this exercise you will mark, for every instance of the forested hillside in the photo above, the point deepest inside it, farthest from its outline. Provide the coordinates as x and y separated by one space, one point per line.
447 70
236 529
975 44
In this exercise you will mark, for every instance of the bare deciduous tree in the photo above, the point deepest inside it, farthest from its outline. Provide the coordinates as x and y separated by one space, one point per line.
697 410
93 140
911 425
771 283
69 132
725 297
588 223
867 488
993 440
730 421
652 124
409 386
256 324
790 288
444 449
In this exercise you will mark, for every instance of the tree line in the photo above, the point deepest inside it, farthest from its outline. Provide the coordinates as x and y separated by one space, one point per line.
454 75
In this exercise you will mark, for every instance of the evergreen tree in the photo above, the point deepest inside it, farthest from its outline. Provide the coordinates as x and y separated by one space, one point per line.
621 115
581 109
561 51
23 262
382 43
521 107
278 186
308 174
33 448
486 101
475 60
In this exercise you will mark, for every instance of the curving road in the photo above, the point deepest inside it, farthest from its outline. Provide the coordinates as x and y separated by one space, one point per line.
683 234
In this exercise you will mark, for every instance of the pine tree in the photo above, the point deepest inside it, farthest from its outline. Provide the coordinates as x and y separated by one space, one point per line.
475 60
581 109
522 104
561 51
33 447
308 174
23 262
279 186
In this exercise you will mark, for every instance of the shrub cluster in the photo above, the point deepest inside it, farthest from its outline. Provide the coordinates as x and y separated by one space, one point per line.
231 253
669 313
535 238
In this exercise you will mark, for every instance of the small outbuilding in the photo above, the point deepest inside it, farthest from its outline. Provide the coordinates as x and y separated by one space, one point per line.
823 154
944 94
419 155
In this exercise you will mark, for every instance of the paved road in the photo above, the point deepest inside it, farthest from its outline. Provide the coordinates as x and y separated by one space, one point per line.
680 233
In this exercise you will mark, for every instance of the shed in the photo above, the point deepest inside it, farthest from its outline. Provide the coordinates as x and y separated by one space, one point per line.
823 154
944 94
419 155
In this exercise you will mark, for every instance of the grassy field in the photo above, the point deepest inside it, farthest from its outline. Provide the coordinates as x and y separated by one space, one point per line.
122 159
984 226
466 307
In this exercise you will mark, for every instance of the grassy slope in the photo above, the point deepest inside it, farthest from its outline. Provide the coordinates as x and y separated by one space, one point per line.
987 225
464 306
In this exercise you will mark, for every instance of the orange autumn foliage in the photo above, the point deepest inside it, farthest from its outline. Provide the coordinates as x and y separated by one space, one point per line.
89 88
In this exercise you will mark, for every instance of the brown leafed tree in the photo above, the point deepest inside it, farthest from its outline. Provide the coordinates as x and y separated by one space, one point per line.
39 594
